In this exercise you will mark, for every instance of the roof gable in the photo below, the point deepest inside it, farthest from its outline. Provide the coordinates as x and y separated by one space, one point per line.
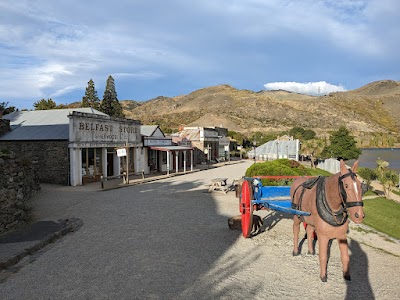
151 131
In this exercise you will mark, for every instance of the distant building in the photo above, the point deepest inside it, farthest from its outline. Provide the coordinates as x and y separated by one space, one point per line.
284 147
211 142
163 155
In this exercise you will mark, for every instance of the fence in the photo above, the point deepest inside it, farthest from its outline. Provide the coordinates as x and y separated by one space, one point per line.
331 165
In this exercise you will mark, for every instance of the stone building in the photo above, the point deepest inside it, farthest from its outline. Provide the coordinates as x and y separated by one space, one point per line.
74 146
81 145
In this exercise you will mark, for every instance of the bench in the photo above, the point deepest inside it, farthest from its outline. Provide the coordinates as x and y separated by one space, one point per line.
218 184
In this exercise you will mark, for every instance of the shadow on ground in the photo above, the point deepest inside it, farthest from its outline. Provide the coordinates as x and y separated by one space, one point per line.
161 240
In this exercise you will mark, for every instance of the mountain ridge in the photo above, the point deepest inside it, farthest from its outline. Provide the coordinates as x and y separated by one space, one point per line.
372 108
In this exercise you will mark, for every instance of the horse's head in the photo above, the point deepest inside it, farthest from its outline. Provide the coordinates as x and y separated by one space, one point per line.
351 191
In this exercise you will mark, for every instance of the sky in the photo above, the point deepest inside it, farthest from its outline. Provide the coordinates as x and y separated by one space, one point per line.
51 49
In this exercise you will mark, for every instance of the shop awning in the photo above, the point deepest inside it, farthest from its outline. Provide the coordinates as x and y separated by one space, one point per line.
171 148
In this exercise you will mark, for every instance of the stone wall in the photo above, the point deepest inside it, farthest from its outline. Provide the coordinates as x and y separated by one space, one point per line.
52 158
18 182
4 126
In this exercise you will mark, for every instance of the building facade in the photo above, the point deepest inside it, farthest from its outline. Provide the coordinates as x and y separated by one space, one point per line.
282 147
75 146
210 142
82 145
93 144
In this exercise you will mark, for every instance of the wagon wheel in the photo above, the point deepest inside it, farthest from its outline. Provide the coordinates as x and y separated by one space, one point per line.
246 209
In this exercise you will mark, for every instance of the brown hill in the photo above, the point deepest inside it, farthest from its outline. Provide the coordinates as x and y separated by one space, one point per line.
373 108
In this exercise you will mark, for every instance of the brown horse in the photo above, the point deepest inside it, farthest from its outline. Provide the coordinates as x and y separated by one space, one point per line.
329 200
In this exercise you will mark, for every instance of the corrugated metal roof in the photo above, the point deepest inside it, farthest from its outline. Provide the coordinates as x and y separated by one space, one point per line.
148 130
189 134
42 124
272 148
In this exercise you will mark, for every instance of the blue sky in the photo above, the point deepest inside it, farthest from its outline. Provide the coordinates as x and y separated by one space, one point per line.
51 49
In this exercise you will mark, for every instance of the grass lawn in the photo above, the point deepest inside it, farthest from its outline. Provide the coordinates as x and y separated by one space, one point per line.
369 193
383 215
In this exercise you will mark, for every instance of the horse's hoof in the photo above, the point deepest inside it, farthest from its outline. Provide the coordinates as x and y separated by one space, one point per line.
347 277
324 279
295 253
311 252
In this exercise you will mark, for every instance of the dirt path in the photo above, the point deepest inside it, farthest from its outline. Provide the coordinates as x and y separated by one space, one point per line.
377 187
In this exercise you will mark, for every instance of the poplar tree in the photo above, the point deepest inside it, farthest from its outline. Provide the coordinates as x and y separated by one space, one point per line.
91 99
110 104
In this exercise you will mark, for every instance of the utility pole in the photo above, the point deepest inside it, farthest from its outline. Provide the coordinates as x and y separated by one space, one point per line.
127 163
255 155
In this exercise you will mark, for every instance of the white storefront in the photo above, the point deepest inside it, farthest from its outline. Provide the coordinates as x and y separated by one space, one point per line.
93 144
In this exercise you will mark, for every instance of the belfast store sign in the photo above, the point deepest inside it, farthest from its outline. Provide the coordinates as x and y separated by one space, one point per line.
91 130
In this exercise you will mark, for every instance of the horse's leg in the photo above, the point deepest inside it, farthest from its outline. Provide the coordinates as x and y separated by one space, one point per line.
296 231
323 256
310 239
344 255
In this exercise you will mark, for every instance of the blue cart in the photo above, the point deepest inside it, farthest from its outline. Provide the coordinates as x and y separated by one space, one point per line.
255 196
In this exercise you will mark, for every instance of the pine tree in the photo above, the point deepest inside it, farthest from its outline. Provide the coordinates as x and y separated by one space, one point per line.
5 109
91 99
110 104
44 104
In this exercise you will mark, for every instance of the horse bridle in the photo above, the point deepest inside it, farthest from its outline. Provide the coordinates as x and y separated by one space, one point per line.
343 191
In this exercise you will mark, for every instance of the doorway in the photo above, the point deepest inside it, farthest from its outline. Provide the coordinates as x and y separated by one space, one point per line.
110 164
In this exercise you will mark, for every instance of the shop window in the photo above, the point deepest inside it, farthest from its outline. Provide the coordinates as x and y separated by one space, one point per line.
131 161
152 160
164 157
91 163
98 166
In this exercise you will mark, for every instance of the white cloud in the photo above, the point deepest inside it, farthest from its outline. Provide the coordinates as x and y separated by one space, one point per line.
309 88
66 90
47 47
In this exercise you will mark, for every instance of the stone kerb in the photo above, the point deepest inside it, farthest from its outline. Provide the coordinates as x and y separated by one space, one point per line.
18 182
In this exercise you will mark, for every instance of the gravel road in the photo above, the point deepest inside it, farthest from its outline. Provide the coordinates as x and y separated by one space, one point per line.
169 239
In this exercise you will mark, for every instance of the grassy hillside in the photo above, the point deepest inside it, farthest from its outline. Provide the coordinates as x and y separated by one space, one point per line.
367 111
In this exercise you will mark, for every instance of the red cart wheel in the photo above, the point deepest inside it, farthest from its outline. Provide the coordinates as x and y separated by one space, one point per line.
246 209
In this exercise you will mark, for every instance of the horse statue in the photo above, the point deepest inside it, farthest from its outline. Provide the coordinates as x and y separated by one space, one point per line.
330 200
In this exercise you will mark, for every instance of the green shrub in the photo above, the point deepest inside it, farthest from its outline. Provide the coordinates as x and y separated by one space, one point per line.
368 175
281 167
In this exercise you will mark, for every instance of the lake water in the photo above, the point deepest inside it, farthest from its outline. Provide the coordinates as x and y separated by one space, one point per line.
369 157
